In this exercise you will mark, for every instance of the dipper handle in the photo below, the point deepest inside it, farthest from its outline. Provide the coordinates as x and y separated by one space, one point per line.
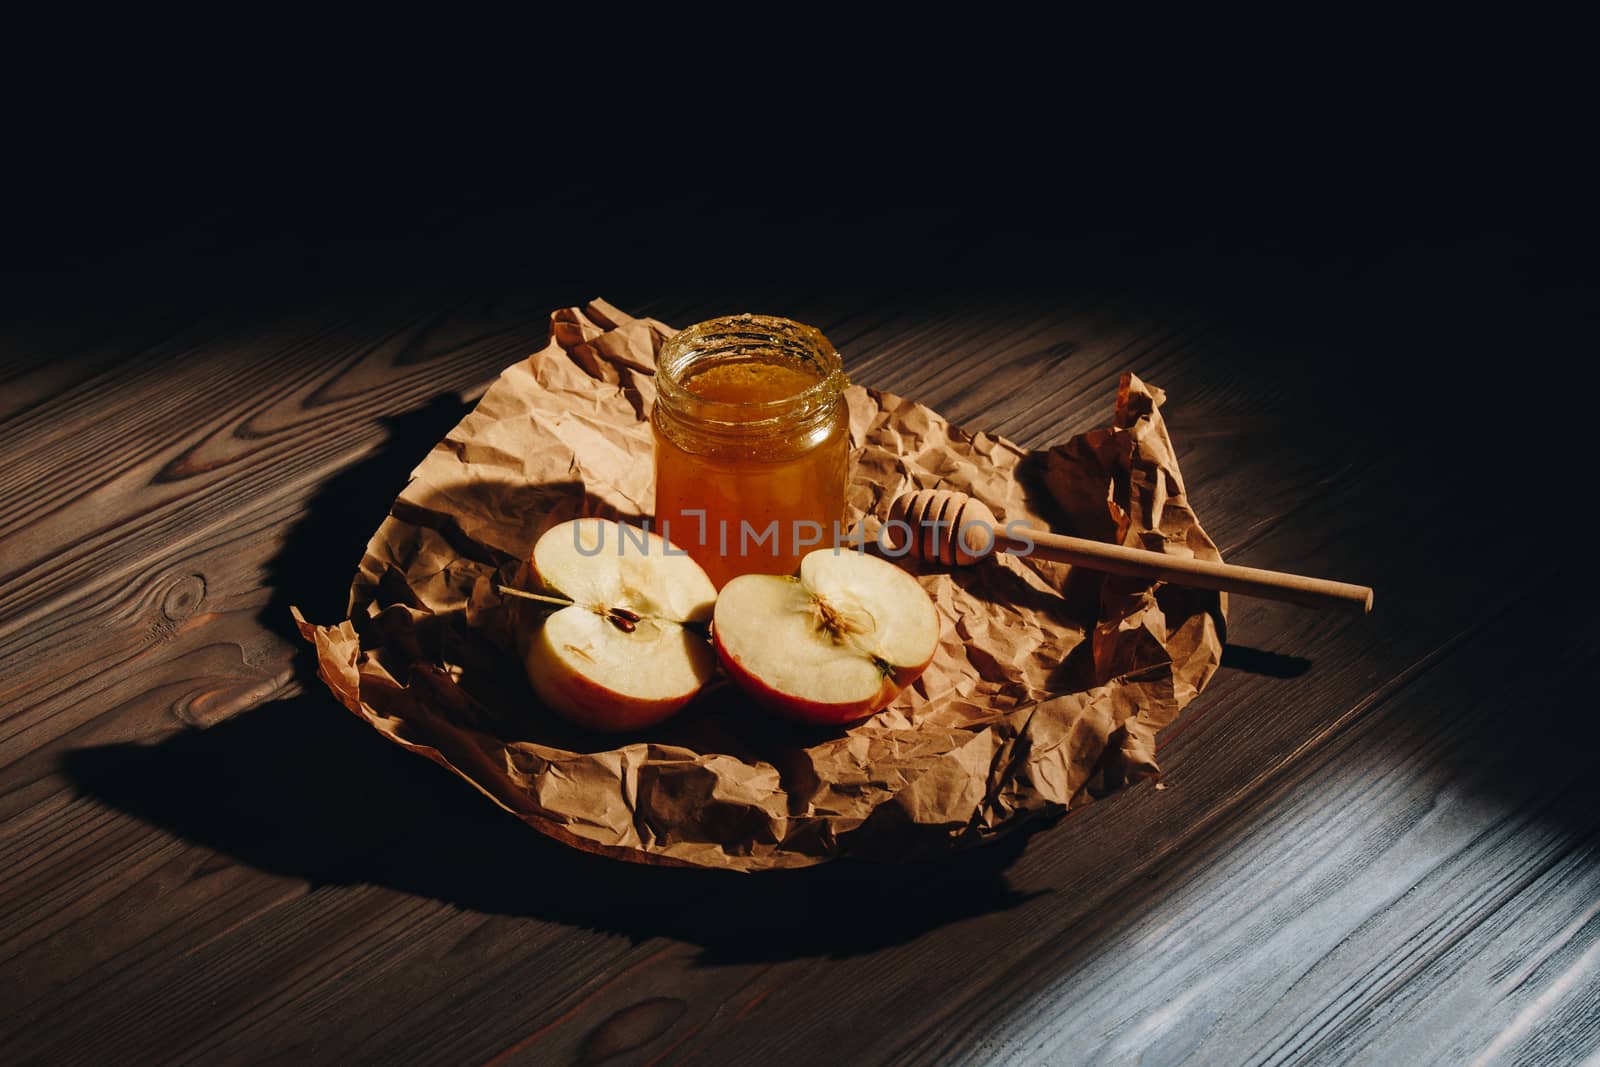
952 528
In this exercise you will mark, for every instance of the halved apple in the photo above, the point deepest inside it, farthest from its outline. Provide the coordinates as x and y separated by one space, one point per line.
831 644
626 653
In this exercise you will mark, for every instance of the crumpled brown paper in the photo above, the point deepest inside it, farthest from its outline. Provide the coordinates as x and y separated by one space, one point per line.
1048 688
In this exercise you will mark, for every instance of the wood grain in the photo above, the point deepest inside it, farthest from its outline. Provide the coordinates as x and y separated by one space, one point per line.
1375 840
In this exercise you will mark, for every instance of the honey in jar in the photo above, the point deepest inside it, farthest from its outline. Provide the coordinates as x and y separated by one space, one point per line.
752 444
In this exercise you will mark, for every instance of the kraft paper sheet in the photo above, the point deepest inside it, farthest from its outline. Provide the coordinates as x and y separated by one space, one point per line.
1047 691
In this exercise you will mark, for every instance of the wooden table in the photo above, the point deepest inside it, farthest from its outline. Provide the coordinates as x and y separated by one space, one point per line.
1375 839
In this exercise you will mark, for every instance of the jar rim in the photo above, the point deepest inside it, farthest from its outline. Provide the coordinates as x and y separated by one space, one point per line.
751 328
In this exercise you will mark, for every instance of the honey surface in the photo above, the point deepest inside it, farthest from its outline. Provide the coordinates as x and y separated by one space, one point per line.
750 383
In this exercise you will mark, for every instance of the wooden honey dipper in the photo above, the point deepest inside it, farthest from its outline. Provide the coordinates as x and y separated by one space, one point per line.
952 528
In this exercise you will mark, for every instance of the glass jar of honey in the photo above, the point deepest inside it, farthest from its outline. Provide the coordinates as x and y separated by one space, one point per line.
752 444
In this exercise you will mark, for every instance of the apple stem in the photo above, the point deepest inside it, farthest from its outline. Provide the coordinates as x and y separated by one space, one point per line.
506 590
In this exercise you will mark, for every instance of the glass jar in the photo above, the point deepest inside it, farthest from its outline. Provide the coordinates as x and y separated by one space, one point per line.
752 443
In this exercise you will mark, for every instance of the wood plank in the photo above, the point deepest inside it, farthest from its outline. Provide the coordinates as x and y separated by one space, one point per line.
68 991
419 925
249 421
1386 857
625 991
146 713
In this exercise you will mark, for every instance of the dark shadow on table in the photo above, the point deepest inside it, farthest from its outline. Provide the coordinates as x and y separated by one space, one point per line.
1263 662
322 550
300 787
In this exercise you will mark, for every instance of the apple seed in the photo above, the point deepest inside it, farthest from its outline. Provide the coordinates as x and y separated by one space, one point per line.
623 619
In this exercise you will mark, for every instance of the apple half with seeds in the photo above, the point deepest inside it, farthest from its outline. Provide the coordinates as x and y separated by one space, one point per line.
630 650
829 645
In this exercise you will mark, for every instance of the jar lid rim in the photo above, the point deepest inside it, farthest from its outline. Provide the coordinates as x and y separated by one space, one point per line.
756 327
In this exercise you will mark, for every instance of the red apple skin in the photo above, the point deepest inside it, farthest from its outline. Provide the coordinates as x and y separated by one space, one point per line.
606 711
811 712
588 704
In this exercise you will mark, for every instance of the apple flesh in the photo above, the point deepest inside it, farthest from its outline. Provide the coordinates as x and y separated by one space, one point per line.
626 654
829 645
